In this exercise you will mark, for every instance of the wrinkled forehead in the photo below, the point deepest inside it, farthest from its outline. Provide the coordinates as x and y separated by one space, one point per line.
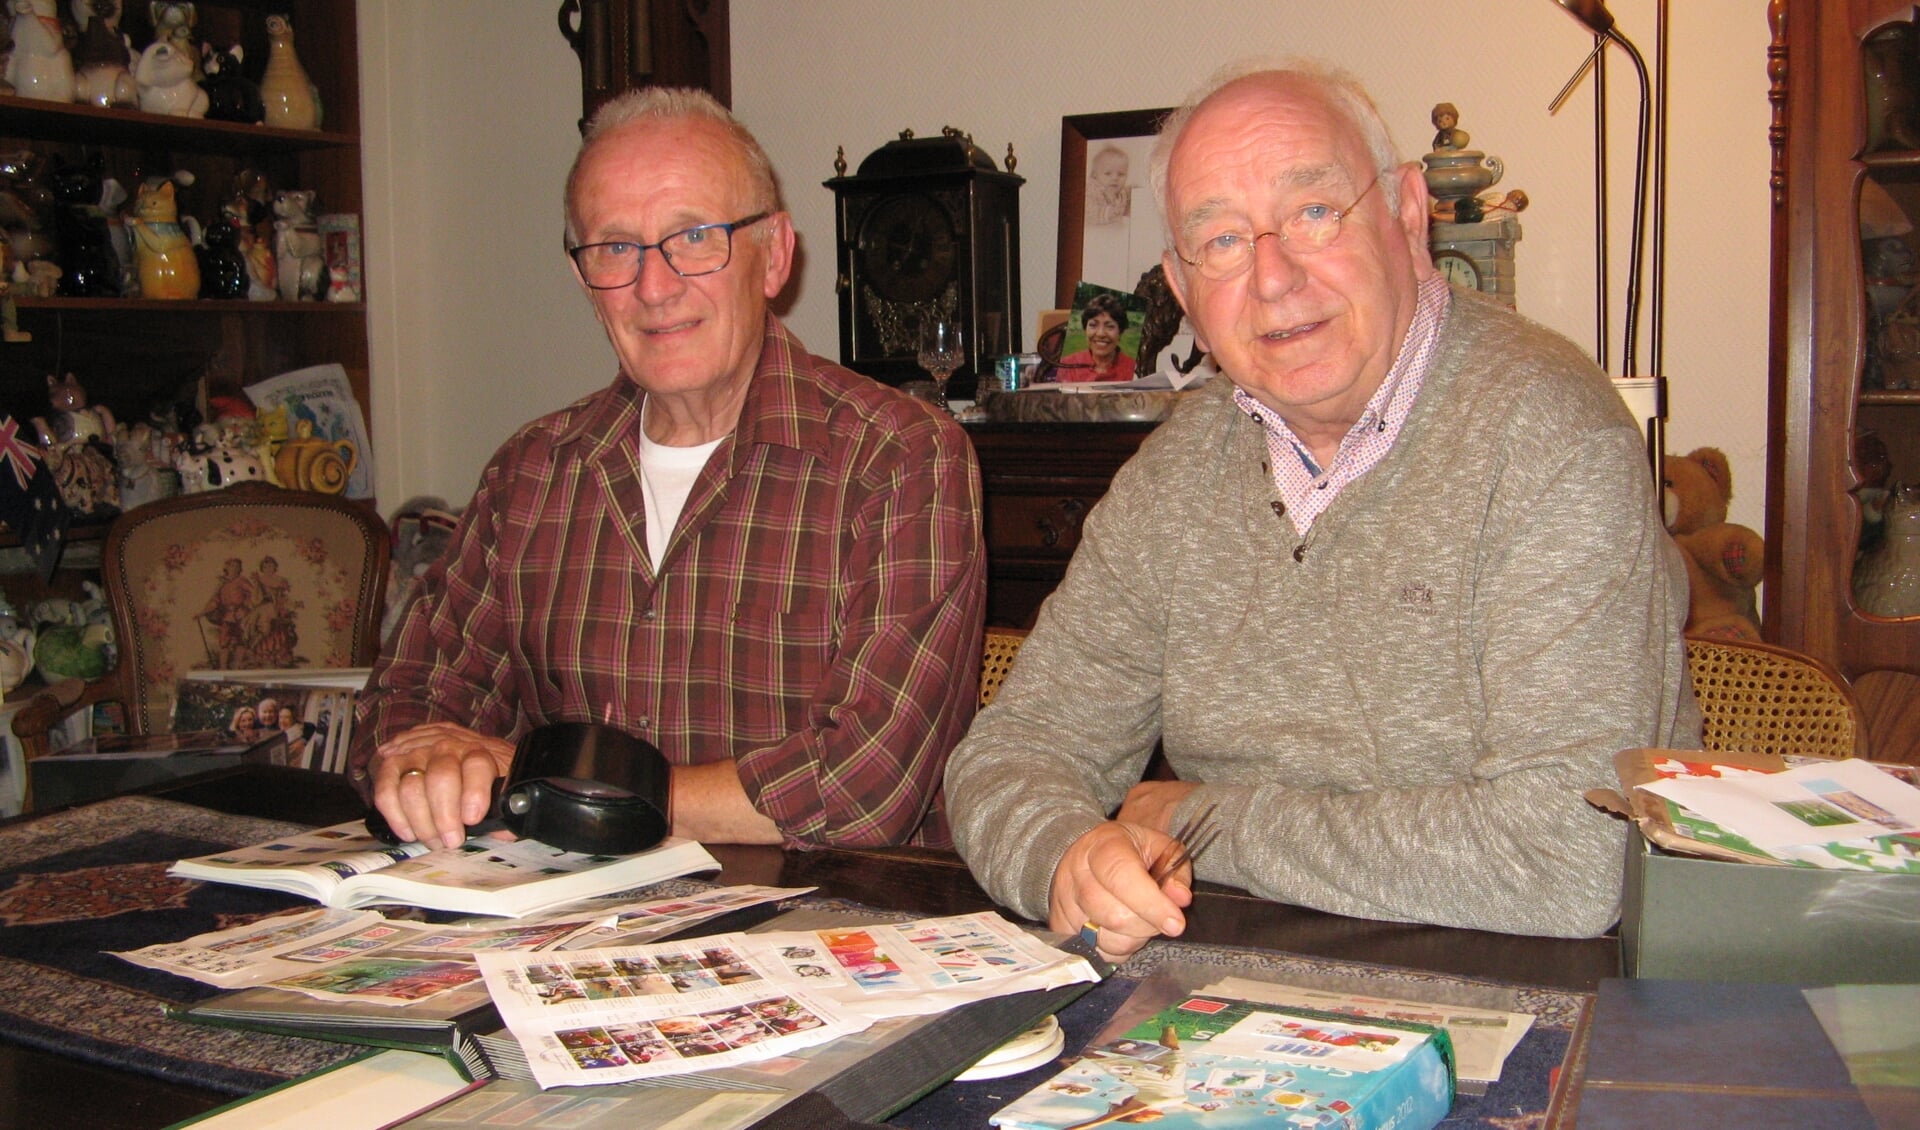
1271 129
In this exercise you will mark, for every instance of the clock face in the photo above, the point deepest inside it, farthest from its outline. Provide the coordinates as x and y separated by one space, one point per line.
906 248
1458 268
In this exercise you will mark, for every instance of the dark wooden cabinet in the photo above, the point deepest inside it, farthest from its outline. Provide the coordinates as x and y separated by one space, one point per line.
1840 69
627 43
1039 481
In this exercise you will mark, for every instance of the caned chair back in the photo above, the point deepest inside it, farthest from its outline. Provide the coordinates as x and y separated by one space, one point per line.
996 659
251 576
1760 698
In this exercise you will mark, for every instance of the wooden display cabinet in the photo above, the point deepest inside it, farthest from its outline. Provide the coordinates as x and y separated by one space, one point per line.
128 353
1828 141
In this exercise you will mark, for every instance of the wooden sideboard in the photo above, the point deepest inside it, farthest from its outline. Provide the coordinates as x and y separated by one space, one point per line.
1039 481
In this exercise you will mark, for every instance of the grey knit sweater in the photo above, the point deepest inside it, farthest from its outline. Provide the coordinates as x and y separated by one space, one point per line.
1396 715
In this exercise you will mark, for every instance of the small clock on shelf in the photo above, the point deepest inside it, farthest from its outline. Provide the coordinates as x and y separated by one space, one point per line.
926 227
1477 256
1458 268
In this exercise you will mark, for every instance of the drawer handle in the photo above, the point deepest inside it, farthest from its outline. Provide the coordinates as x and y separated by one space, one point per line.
1072 510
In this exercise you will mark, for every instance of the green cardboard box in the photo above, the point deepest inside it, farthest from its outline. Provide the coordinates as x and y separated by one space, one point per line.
1704 911
1683 917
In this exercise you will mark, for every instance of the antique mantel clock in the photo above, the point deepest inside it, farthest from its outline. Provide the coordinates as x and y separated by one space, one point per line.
927 225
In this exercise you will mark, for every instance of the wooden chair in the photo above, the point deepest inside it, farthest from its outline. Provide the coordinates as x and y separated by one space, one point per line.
996 659
1761 698
250 576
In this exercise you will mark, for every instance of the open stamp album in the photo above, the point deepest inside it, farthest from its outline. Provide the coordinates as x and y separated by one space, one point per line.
342 866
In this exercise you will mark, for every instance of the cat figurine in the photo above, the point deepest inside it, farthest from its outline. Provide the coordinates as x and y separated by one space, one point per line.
89 266
164 75
100 64
223 260
162 251
231 95
297 246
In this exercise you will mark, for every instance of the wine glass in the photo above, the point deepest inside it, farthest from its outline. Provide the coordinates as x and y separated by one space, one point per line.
941 352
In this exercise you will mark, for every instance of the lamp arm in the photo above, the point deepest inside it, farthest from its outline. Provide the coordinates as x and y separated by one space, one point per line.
1639 201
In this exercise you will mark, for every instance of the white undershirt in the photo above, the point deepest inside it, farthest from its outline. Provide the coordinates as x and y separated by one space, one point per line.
666 478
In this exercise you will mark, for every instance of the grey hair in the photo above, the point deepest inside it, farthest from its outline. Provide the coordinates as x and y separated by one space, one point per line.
1342 92
675 103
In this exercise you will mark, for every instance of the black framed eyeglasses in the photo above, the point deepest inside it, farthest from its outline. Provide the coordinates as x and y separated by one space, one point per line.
691 252
1306 229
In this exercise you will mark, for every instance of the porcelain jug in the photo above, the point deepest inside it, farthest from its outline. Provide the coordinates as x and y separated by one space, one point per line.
1886 582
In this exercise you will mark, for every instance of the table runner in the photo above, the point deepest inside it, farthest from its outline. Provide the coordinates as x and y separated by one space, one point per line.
77 883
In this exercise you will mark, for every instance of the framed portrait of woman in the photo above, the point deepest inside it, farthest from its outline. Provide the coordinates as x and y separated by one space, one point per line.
1110 226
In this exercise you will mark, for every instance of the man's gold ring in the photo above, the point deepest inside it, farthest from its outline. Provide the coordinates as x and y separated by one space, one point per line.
413 773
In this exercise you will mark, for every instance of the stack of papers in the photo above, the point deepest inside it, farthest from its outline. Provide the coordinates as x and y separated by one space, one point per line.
639 1012
1847 814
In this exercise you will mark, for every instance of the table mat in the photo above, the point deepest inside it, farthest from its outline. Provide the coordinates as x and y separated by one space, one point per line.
77 883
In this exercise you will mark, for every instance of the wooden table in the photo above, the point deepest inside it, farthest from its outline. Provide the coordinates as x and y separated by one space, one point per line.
40 1089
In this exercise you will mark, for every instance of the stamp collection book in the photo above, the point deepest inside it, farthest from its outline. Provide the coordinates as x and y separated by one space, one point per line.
345 867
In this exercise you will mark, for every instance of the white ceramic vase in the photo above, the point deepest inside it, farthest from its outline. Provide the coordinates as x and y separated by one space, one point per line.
1886 582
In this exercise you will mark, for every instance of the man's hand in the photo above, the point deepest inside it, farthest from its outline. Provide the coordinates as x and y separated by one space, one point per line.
1151 803
432 781
1102 882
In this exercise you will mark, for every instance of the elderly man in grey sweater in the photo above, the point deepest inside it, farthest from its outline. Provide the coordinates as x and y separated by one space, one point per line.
1391 598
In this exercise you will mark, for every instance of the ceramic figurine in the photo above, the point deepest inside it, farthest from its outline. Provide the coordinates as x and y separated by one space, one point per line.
1455 174
100 66
16 651
305 462
223 262
164 75
163 253
292 101
231 95
40 66
145 458
214 460
72 419
89 266
75 438
297 247
27 209
174 21
1886 582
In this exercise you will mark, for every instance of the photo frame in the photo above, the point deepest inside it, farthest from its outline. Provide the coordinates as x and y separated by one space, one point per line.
1103 244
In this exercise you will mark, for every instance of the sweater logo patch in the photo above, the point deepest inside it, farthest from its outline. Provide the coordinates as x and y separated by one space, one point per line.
1417 597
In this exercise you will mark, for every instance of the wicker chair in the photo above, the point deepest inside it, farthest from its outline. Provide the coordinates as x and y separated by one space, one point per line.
996 659
1760 698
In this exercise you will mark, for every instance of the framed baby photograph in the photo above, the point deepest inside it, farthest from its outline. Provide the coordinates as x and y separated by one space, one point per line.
1110 226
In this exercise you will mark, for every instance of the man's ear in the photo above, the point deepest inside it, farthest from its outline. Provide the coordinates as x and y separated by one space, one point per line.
1416 206
779 253
1175 270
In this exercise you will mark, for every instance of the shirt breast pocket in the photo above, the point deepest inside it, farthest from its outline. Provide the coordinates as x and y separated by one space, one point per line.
777 652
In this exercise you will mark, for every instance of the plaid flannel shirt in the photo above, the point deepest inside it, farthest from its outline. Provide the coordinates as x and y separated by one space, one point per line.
816 616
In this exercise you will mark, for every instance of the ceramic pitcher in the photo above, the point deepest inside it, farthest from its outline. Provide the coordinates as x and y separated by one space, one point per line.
1886 582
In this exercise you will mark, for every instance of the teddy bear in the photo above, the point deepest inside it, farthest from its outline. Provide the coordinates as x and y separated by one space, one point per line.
1723 558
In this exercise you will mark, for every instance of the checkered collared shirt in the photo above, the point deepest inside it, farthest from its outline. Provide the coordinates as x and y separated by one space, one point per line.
1307 489
816 615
